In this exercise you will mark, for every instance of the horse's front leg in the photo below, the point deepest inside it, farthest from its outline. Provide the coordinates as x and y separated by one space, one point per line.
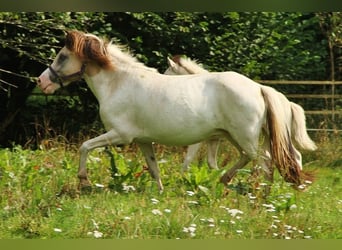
109 138
148 152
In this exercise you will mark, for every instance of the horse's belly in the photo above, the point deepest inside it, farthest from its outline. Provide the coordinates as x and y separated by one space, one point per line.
179 137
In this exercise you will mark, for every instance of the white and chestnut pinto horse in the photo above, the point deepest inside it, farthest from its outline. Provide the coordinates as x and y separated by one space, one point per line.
180 65
138 104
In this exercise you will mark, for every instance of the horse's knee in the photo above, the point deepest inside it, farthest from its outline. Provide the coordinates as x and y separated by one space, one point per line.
84 148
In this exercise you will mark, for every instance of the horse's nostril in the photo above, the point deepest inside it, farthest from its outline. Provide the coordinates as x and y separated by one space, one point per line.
38 81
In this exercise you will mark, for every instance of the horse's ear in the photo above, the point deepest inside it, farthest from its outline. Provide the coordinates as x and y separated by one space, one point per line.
171 63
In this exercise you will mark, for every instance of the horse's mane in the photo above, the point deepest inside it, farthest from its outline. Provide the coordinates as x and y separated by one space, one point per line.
106 54
121 55
191 66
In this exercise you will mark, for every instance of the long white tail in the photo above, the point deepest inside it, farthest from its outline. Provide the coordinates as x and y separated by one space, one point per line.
282 149
298 128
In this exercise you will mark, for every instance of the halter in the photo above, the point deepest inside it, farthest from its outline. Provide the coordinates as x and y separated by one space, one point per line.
61 79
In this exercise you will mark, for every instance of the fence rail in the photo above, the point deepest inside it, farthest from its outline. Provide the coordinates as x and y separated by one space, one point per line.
334 112
332 97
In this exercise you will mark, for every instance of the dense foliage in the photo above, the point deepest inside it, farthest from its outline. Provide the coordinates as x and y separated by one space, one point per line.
262 45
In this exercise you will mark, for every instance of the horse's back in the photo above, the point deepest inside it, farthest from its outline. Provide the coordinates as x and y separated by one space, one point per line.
199 106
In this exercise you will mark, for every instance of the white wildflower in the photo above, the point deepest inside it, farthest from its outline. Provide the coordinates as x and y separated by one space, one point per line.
211 220
99 185
127 218
57 230
166 210
252 197
156 212
233 212
191 230
98 234
239 231
127 188
154 201
190 193
193 202
293 207
270 207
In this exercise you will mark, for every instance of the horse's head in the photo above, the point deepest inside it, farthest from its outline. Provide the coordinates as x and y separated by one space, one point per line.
175 67
180 65
82 54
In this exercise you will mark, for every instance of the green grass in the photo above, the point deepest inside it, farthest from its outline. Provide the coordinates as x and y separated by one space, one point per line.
39 198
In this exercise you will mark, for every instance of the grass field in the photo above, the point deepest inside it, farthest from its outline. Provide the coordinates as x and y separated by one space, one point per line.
39 197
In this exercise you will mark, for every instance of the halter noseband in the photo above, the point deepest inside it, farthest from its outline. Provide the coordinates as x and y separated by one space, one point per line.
61 79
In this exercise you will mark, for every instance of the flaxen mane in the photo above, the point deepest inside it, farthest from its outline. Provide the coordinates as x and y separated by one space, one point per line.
107 55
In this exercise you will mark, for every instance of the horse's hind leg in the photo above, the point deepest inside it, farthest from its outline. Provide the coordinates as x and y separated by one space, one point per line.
247 144
265 160
231 172
212 153
190 155
148 152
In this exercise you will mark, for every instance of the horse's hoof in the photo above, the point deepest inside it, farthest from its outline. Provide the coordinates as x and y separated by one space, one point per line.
85 187
225 179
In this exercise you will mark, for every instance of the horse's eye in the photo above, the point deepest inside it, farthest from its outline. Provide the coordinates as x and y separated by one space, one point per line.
62 58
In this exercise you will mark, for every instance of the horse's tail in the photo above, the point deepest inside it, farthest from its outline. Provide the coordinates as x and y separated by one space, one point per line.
299 134
282 149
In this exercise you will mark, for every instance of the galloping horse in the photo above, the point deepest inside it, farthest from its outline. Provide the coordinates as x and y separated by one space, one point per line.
138 104
180 65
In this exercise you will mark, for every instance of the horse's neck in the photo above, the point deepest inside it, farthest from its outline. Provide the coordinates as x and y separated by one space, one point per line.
103 84
107 84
